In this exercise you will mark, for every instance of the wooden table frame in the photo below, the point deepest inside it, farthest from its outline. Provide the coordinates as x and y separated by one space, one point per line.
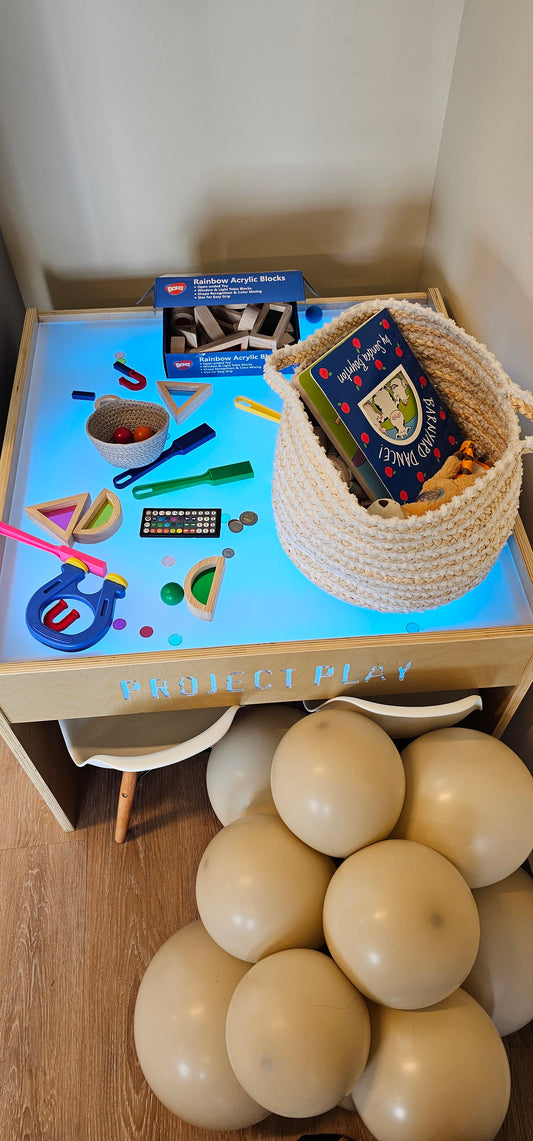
498 660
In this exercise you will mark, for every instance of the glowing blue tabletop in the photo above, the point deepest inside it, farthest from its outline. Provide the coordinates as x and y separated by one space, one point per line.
274 635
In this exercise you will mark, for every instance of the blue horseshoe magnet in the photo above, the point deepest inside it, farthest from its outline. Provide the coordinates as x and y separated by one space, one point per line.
50 632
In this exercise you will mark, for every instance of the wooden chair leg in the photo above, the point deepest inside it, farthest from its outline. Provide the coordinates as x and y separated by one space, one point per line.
125 803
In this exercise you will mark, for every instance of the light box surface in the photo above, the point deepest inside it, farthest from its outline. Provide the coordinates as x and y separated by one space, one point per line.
263 599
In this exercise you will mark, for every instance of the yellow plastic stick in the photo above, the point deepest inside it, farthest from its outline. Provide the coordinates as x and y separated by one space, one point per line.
247 405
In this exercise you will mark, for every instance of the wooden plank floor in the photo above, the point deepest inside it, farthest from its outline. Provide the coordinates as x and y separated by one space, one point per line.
81 919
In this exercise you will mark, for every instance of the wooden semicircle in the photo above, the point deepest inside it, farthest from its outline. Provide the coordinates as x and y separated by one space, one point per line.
102 519
204 609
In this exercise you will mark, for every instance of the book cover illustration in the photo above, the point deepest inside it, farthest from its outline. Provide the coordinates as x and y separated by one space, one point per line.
377 406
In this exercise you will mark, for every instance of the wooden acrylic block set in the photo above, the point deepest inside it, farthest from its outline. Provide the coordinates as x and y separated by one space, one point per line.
218 328
214 325
74 519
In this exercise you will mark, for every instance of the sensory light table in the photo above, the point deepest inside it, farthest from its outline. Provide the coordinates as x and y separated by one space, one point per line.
271 636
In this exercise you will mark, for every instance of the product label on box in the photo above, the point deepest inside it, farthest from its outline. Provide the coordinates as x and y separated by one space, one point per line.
215 364
228 288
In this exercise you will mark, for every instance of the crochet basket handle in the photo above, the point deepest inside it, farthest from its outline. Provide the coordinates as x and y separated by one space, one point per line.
522 402
303 353
317 343
520 399
278 360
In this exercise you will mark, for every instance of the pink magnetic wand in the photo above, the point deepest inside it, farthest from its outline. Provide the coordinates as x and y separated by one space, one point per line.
96 566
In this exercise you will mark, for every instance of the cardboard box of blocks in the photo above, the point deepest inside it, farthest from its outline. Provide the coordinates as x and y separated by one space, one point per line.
216 324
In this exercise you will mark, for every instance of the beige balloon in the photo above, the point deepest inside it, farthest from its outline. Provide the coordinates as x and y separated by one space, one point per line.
440 1072
338 781
259 889
179 1027
347 1103
470 797
297 1033
401 923
238 769
502 976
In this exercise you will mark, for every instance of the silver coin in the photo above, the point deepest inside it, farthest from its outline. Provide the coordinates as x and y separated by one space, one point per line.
235 525
248 518
228 552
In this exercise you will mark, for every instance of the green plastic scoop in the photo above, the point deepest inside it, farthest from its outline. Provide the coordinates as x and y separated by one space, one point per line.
227 473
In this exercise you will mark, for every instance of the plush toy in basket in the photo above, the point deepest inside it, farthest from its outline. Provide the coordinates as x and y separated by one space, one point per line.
457 473
425 560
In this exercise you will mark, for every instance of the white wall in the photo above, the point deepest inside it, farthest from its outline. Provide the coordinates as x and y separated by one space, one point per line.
479 246
142 138
480 234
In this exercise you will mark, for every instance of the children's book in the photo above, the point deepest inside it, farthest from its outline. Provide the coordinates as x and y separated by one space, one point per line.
374 401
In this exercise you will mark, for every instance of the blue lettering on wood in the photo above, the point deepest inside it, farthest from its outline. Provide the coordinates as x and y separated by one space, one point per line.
230 686
128 687
188 692
157 686
257 682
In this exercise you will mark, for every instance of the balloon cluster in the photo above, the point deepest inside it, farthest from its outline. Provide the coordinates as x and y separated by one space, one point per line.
365 932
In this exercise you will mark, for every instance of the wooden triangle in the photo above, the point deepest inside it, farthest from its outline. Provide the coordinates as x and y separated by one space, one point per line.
59 516
205 610
194 394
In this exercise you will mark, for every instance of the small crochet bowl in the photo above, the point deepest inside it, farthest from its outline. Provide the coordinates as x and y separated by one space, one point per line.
112 412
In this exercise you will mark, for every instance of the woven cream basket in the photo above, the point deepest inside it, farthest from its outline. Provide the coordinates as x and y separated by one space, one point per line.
113 412
423 561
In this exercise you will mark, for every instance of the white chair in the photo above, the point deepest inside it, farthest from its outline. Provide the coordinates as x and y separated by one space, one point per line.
137 742
409 720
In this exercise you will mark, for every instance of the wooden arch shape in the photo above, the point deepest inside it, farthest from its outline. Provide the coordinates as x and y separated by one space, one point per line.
205 610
